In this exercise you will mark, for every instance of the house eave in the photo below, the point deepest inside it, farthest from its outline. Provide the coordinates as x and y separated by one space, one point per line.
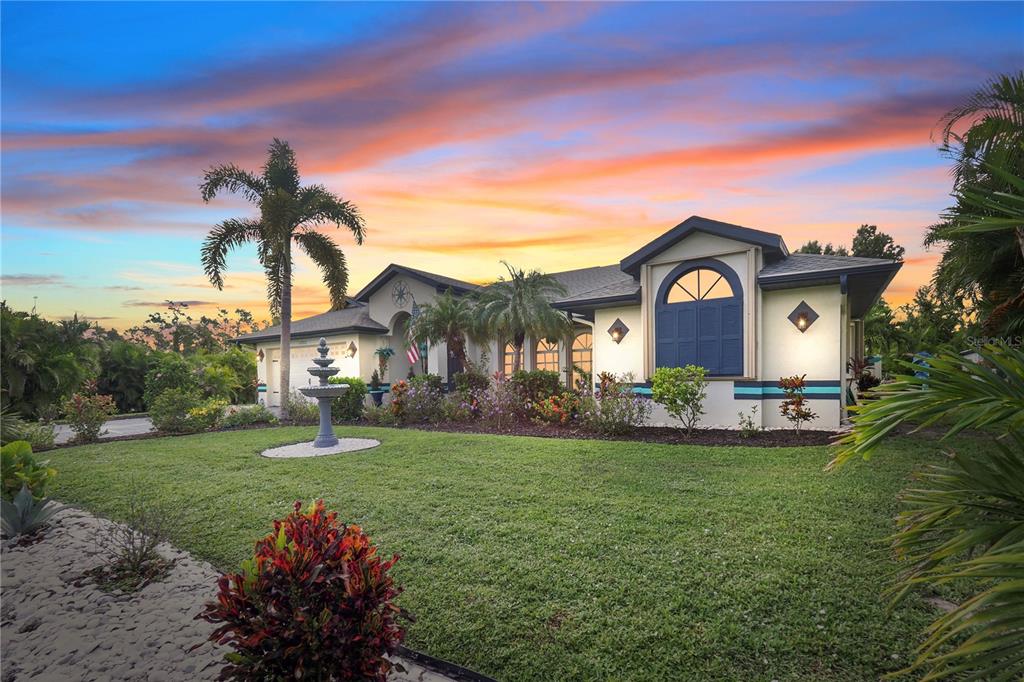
352 329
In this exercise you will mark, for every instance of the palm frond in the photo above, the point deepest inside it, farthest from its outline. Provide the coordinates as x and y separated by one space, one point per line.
318 205
233 179
224 237
281 170
965 523
330 259
972 395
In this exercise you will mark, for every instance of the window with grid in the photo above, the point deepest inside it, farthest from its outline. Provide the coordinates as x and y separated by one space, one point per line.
510 354
582 355
546 356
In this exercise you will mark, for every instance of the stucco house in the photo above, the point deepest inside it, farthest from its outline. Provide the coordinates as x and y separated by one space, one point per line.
731 299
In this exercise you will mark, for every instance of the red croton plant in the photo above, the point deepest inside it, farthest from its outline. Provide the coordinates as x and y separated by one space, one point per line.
314 603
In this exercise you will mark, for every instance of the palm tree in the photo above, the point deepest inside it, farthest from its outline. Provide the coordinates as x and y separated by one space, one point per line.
963 520
451 319
511 309
289 212
982 234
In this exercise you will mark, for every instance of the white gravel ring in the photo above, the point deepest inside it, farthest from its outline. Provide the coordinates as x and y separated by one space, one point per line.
307 450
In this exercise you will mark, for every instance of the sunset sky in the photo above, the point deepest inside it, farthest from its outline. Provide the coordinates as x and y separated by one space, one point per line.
552 136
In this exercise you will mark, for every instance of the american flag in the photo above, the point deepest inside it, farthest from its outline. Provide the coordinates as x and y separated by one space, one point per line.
412 352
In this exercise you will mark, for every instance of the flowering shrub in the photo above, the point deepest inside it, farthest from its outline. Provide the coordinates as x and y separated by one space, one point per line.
433 382
415 402
500 405
314 602
459 407
86 411
206 415
558 409
794 407
472 380
615 410
682 391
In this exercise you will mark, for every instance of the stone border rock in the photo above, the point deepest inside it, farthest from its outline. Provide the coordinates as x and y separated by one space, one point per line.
306 449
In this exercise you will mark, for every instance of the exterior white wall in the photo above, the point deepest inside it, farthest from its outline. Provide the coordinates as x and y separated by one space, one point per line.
303 351
817 352
625 357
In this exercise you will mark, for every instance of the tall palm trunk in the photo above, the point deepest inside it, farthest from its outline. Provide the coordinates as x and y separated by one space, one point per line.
517 357
285 382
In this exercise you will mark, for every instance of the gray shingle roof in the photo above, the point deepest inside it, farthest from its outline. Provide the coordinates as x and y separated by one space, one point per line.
440 282
800 264
602 282
353 319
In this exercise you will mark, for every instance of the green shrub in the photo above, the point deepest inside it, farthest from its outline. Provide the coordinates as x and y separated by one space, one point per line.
235 370
169 410
301 410
123 369
87 411
19 468
417 402
350 405
170 371
249 414
471 381
535 386
207 414
379 415
457 407
40 435
434 382
682 391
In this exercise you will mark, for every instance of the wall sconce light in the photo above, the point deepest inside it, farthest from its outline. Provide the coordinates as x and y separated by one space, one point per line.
803 316
260 355
351 351
618 330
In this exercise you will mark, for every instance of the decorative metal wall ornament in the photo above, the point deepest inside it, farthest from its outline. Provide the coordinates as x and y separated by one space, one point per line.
803 316
400 293
618 330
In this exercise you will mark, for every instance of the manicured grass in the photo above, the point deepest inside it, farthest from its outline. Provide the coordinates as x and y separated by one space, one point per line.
546 559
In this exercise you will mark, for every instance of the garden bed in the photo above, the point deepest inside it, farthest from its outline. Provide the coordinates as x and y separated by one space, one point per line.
781 438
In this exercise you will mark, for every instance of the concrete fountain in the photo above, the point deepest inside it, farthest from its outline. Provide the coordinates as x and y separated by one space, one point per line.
325 443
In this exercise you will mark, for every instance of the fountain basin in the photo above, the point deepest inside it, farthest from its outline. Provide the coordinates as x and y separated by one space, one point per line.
328 391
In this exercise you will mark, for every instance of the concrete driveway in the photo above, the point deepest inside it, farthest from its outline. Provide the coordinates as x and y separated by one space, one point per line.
132 426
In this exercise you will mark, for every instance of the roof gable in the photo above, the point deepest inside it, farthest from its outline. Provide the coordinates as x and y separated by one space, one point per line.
439 282
773 245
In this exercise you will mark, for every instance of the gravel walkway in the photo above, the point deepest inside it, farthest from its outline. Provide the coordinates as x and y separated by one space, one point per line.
58 627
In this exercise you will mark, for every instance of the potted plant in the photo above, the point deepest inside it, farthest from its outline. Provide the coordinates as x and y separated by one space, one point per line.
376 392
383 357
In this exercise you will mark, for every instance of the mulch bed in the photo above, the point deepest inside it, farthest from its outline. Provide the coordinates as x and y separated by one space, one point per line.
782 438
650 434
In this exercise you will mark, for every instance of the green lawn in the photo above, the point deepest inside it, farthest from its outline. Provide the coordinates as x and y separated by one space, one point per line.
543 559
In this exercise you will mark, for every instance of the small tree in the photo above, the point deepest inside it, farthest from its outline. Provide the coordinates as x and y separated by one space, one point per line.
682 391
383 358
794 406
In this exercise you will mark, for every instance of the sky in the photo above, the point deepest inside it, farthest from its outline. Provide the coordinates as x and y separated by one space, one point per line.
553 136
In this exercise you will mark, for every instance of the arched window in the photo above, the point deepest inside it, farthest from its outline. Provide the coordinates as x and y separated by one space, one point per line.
582 356
699 284
699 318
546 355
509 359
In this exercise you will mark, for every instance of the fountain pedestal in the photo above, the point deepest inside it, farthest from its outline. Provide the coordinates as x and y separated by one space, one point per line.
324 393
